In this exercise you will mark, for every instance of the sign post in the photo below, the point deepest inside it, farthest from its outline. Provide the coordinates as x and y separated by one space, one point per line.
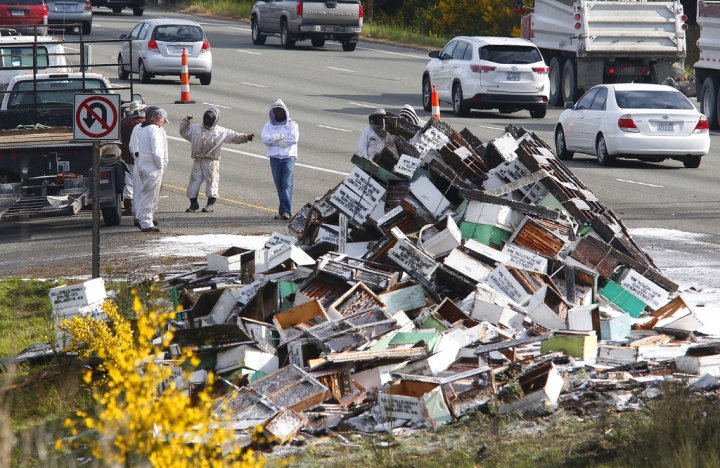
97 118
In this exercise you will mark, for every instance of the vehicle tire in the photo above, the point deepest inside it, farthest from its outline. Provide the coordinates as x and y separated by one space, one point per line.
426 94
604 159
138 11
143 73
257 37
692 163
569 83
117 10
555 81
205 79
561 147
122 73
708 103
320 42
113 214
86 28
457 97
285 40
538 112
349 46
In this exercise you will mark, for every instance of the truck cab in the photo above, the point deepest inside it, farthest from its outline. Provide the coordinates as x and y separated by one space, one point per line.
21 54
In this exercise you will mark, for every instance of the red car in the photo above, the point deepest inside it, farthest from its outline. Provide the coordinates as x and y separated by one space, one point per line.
24 16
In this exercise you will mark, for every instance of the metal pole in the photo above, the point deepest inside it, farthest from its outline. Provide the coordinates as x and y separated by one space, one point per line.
96 210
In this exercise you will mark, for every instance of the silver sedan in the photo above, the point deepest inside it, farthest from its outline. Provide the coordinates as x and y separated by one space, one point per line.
157 46
70 12
632 120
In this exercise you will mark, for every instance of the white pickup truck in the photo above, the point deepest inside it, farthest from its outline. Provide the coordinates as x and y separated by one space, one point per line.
299 20
590 42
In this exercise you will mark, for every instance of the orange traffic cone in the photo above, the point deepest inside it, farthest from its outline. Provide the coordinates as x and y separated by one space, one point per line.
184 81
435 103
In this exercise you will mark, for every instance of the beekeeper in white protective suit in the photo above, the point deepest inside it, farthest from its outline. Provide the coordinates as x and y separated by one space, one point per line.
133 146
151 164
206 140
374 138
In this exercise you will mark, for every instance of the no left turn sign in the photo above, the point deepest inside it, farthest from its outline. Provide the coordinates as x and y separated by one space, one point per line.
97 117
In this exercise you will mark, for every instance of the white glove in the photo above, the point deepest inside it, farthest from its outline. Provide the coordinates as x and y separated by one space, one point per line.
275 138
282 143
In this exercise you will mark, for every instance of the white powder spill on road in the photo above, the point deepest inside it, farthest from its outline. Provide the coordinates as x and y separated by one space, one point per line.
198 246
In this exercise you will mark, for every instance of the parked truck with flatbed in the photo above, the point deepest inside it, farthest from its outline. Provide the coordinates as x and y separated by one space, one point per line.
707 68
590 42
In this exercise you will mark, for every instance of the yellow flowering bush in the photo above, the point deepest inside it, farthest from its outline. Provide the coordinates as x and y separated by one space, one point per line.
142 416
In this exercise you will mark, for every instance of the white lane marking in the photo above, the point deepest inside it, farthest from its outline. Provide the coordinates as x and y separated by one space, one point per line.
363 105
335 128
394 53
252 84
216 105
491 128
249 52
240 29
259 156
341 69
639 183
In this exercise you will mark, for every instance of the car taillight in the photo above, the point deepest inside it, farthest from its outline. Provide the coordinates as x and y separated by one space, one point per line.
626 124
541 70
152 46
475 68
577 25
299 9
481 69
88 6
104 175
205 47
45 12
702 126
684 18
362 12
577 16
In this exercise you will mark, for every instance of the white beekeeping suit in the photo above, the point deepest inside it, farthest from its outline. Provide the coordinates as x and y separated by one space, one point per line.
151 164
373 139
206 140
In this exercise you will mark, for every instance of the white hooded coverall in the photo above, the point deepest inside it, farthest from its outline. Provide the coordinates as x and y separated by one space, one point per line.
150 166
372 142
206 145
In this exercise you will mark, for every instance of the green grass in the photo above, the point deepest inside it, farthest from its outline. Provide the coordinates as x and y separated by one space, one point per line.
378 31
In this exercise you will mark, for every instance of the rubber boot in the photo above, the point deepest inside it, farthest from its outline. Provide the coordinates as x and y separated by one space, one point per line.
127 204
193 206
209 208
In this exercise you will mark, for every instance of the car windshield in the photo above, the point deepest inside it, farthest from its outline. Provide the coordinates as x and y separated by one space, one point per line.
23 57
651 100
178 33
510 54
52 94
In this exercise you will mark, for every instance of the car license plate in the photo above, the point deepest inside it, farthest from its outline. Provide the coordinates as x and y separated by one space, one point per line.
628 70
513 76
18 13
64 7
666 127
176 50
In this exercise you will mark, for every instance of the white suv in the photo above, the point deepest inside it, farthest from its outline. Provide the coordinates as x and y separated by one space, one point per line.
502 73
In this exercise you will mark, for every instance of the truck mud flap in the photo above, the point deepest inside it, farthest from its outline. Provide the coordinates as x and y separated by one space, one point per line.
31 207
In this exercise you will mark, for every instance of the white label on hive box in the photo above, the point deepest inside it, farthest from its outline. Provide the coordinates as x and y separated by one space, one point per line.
78 294
277 239
327 234
295 354
351 204
245 295
410 258
525 259
406 165
462 152
389 215
644 289
325 208
501 280
431 139
516 170
362 184
402 407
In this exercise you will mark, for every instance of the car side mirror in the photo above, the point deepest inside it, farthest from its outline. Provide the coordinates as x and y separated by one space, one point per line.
433 53
122 36
570 105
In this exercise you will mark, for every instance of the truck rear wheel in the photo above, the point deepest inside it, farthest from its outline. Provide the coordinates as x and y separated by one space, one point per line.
349 46
556 68
708 103
318 42
569 82
285 40
113 214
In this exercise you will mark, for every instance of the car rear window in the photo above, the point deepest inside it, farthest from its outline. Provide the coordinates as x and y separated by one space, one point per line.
52 94
510 54
13 57
21 2
651 100
178 33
